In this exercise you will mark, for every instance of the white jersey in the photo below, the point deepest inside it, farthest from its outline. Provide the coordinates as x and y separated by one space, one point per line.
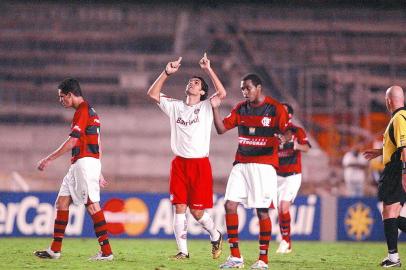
190 126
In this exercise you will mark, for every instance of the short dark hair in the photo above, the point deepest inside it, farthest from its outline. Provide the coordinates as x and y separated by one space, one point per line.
70 85
205 88
254 79
290 108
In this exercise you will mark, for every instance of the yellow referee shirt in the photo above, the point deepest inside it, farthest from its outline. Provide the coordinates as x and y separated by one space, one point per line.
394 138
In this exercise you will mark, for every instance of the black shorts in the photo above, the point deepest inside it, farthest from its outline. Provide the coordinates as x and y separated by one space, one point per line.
390 189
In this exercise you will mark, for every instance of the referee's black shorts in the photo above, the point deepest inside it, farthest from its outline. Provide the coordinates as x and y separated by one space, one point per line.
390 189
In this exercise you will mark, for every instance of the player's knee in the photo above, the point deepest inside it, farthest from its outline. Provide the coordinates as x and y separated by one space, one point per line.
197 213
263 213
62 204
231 207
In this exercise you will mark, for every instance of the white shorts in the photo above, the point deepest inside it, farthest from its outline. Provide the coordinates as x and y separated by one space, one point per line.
252 184
288 187
82 181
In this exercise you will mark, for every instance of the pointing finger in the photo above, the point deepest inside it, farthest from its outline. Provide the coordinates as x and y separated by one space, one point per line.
179 59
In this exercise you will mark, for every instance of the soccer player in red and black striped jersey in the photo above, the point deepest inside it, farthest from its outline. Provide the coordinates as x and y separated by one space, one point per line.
252 181
82 183
293 142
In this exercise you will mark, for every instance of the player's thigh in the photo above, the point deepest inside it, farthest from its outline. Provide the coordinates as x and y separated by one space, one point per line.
262 185
237 188
87 175
177 182
289 189
200 188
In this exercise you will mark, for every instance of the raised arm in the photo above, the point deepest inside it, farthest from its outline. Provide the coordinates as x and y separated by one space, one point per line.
65 147
218 122
154 90
205 65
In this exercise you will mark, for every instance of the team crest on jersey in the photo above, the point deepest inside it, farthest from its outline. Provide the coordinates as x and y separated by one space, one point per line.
266 121
197 111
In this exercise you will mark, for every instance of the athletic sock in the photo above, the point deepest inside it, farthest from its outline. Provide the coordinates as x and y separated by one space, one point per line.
61 221
402 223
232 231
207 223
390 226
284 225
265 231
100 228
180 231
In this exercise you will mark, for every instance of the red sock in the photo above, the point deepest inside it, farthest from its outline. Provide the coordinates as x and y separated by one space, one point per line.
265 231
232 231
61 221
284 225
100 228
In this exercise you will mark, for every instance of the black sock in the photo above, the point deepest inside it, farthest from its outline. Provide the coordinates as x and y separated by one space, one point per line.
402 223
390 227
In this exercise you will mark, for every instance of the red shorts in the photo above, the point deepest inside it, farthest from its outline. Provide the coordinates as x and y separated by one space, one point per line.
191 182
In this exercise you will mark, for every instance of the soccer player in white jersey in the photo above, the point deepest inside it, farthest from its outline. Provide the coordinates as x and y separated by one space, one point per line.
191 183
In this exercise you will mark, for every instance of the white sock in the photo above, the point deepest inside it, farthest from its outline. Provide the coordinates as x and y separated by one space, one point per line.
393 257
207 222
180 231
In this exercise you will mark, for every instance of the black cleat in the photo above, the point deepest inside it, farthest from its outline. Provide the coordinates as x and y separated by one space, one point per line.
180 256
47 254
216 247
386 263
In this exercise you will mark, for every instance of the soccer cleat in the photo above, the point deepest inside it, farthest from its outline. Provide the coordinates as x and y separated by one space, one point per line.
284 248
180 256
233 262
47 254
260 265
101 257
216 247
386 263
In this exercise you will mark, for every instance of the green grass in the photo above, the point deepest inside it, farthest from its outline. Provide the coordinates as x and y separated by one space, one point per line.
16 253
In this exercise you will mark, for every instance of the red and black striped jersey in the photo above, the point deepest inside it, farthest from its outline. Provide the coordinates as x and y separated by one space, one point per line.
290 160
86 127
257 127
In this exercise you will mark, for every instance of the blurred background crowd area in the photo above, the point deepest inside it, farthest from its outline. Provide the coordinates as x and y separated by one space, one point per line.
332 60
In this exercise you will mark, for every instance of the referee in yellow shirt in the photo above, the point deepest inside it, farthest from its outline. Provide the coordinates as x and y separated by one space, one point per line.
392 185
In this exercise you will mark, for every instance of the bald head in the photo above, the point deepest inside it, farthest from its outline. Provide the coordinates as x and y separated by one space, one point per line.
395 98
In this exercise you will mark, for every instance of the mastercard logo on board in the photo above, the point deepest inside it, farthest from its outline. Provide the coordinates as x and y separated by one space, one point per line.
129 216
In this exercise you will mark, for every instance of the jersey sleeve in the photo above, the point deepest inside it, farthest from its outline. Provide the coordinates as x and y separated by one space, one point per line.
166 104
231 120
283 119
399 129
79 123
302 137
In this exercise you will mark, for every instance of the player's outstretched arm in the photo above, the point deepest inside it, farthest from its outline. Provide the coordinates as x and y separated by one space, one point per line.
372 153
65 147
218 122
205 65
154 90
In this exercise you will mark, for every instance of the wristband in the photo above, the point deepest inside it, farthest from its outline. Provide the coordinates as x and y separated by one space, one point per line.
166 72
403 167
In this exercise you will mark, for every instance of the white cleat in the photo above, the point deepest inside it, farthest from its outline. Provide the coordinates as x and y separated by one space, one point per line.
260 265
101 257
233 262
284 248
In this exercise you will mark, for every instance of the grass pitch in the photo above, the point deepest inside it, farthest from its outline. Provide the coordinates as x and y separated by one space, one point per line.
17 253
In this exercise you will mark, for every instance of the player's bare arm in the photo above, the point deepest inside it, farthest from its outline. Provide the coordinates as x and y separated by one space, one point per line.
372 153
403 157
218 122
102 181
154 90
300 147
205 65
65 147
